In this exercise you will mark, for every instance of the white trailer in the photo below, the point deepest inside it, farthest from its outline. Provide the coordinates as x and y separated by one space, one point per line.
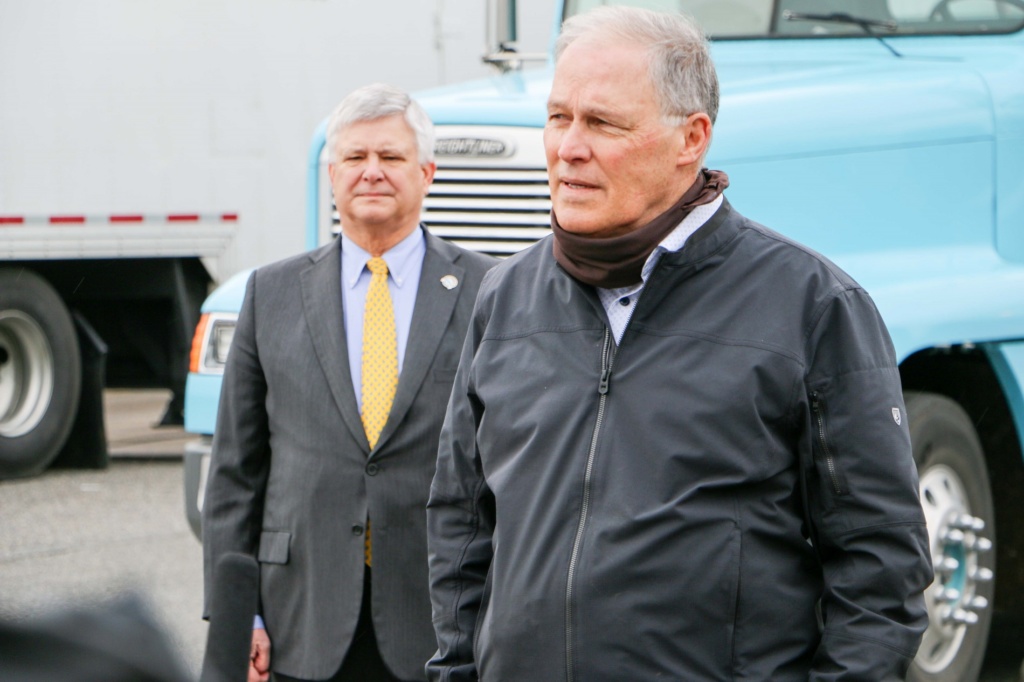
116 116
89 301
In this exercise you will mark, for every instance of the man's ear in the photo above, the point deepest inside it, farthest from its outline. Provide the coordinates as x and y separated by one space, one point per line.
696 136
428 175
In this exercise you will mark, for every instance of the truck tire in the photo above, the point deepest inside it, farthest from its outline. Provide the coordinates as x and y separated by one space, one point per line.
40 373
957 501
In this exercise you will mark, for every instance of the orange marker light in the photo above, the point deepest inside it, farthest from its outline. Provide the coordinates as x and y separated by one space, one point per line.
197 343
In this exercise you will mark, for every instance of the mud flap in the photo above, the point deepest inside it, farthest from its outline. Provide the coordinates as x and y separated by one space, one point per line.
86 447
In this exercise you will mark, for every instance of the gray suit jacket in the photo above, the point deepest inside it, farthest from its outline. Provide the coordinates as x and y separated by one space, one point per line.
292 479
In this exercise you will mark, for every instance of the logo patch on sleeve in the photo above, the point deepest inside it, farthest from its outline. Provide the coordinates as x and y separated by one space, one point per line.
896 416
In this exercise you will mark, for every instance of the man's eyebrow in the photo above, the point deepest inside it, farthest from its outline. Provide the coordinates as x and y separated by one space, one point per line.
362 149
589 111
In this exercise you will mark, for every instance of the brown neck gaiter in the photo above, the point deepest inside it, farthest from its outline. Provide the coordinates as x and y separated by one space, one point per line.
615 262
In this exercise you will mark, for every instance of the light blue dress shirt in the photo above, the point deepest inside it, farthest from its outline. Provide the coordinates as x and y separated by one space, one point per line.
405 262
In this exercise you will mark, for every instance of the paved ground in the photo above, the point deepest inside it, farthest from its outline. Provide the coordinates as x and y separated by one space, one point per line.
81 538
84 537
132 431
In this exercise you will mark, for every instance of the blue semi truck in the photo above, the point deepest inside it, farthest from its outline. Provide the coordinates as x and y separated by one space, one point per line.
888 135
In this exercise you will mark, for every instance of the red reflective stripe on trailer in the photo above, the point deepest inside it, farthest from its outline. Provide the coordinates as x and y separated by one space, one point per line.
118 218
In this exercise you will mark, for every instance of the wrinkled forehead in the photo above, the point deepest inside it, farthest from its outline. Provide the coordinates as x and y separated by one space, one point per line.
604 73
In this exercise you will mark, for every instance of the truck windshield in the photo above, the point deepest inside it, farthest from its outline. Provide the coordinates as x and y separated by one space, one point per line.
723 19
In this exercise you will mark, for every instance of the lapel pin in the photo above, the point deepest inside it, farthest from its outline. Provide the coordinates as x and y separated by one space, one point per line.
449 281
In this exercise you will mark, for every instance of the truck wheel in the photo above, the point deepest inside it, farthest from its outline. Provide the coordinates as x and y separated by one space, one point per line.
957 502
40 373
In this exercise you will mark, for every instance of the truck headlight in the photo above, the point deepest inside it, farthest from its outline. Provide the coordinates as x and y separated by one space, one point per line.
211 343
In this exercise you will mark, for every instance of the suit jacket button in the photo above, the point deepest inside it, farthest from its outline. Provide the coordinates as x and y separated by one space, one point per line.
357 530
372 469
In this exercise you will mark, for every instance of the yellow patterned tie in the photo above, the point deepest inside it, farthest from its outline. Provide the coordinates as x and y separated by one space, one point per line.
380 352
380 359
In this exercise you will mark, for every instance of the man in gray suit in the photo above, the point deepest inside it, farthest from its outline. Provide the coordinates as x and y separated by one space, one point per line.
333 398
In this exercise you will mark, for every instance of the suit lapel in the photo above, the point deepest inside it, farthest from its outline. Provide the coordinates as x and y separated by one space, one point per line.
322 303
430 319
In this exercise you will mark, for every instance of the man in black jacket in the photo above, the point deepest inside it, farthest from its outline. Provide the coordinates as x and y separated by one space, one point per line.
658 407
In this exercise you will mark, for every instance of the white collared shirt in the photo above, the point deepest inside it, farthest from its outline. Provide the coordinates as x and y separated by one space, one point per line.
620 303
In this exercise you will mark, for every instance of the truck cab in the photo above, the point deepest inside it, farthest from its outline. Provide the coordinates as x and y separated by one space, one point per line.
887 135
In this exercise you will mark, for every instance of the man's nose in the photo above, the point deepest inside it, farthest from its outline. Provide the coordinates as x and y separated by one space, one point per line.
372 172
573 145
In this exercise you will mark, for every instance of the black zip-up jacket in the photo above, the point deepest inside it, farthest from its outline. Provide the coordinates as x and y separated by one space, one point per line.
637 513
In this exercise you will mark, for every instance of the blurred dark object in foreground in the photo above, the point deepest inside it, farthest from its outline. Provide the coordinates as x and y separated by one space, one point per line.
233 605
116 642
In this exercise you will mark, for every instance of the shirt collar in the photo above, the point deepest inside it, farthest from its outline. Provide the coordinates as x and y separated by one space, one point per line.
674 241
401 258
677 238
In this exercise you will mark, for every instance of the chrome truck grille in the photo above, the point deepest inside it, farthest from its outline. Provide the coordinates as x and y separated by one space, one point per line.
497 210
490 192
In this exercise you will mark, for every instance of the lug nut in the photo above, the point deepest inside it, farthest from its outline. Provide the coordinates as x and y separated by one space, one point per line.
980 545
961 522
968 522
981 574
977 603
953 536
962 616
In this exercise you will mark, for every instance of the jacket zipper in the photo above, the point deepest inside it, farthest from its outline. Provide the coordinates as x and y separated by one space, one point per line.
830 461
607 358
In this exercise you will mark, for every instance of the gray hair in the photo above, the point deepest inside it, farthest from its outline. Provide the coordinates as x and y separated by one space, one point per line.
679 55
379 100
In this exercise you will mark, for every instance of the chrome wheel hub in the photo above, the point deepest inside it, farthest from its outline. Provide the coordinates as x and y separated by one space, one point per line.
26 373
956 542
